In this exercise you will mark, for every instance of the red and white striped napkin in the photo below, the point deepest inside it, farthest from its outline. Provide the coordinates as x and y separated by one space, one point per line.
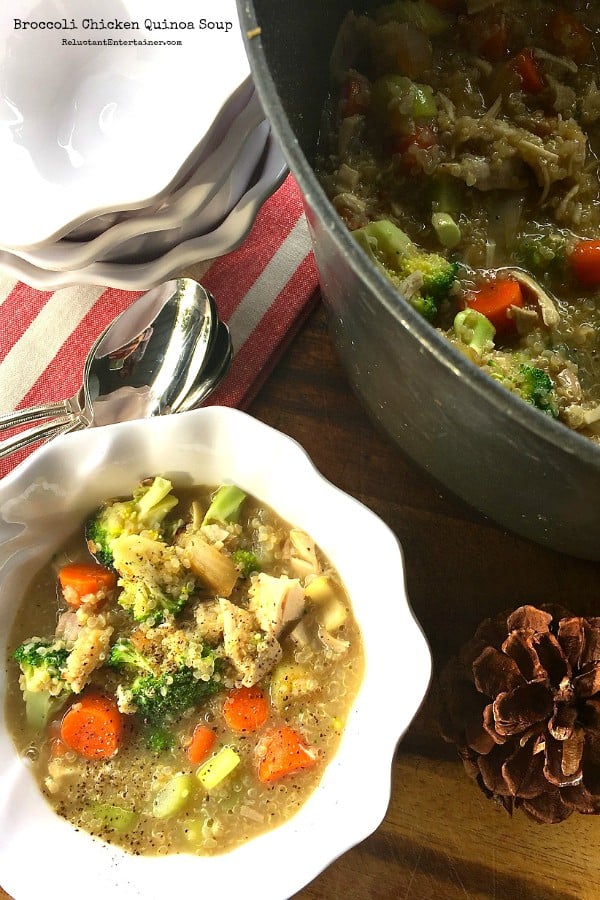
264 290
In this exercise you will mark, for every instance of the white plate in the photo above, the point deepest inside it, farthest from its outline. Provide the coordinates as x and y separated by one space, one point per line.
42 499
142 276
90 129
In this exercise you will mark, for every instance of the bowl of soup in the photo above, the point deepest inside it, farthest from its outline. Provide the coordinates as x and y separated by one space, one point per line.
202 650
447 153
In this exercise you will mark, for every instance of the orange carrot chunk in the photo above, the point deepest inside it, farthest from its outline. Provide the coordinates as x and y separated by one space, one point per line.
527 68
494 301
81 579
570 36
245 709
92 727
282 751
201 744
585 263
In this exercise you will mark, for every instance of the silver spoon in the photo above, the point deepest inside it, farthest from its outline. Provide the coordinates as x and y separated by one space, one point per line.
213 371
150 356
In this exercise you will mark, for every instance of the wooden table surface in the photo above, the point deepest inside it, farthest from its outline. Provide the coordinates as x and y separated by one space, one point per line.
441 838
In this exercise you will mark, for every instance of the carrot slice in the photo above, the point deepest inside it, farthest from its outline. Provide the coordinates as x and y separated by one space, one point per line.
494 300
201 744
81 579
282 751
527 67
92 727
245 709
585 262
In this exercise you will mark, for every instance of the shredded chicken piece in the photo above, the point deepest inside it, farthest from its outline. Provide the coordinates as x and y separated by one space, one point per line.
525 318
548 308
275 601
252 652
209 621
90 651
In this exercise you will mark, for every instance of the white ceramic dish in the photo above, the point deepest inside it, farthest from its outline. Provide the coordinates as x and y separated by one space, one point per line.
178 207
142 276
232 108
90 129
39 503
156 243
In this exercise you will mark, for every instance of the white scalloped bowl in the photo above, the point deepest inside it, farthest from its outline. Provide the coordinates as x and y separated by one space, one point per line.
90 129
39 503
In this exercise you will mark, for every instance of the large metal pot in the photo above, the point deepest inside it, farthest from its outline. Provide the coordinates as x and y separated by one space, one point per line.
526 471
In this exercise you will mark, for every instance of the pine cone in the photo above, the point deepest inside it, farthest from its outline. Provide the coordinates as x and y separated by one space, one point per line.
522 703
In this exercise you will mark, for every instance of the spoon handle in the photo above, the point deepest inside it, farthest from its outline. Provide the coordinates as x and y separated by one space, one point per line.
33 413
44 432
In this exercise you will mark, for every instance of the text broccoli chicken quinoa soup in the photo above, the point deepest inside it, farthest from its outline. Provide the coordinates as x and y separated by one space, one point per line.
461 149
182 688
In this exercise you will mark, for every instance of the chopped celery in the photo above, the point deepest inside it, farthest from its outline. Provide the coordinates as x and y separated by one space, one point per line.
475 330
446 229
225 505
395 100
217 768
386 244
115 818
174 796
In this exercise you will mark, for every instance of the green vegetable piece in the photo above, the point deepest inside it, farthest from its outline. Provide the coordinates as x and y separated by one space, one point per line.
397 257
217 768
419 13
45 691
537 389
225 505
385 243
41 707
161 698
543 253
174 796
159 740
447 230
123 653
396 101
475 330
145 511
114 818
246 561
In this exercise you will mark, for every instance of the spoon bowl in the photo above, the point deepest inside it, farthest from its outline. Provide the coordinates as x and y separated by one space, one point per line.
143 364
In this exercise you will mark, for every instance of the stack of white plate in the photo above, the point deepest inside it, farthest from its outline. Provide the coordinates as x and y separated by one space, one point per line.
123 163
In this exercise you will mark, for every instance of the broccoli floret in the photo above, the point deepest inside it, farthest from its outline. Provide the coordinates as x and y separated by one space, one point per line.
402 262
530 383
45 691
160 698
155 585
42 664
474 330
144 512
225 505
246 561
123 653
537 388
159 740
164 688
542 253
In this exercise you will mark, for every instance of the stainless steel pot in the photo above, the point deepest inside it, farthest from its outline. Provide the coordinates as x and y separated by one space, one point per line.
524 470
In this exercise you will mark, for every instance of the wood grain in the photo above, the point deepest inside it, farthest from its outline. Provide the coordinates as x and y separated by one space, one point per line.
441 839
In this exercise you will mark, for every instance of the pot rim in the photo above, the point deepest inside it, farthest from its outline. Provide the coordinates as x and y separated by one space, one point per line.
547 429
